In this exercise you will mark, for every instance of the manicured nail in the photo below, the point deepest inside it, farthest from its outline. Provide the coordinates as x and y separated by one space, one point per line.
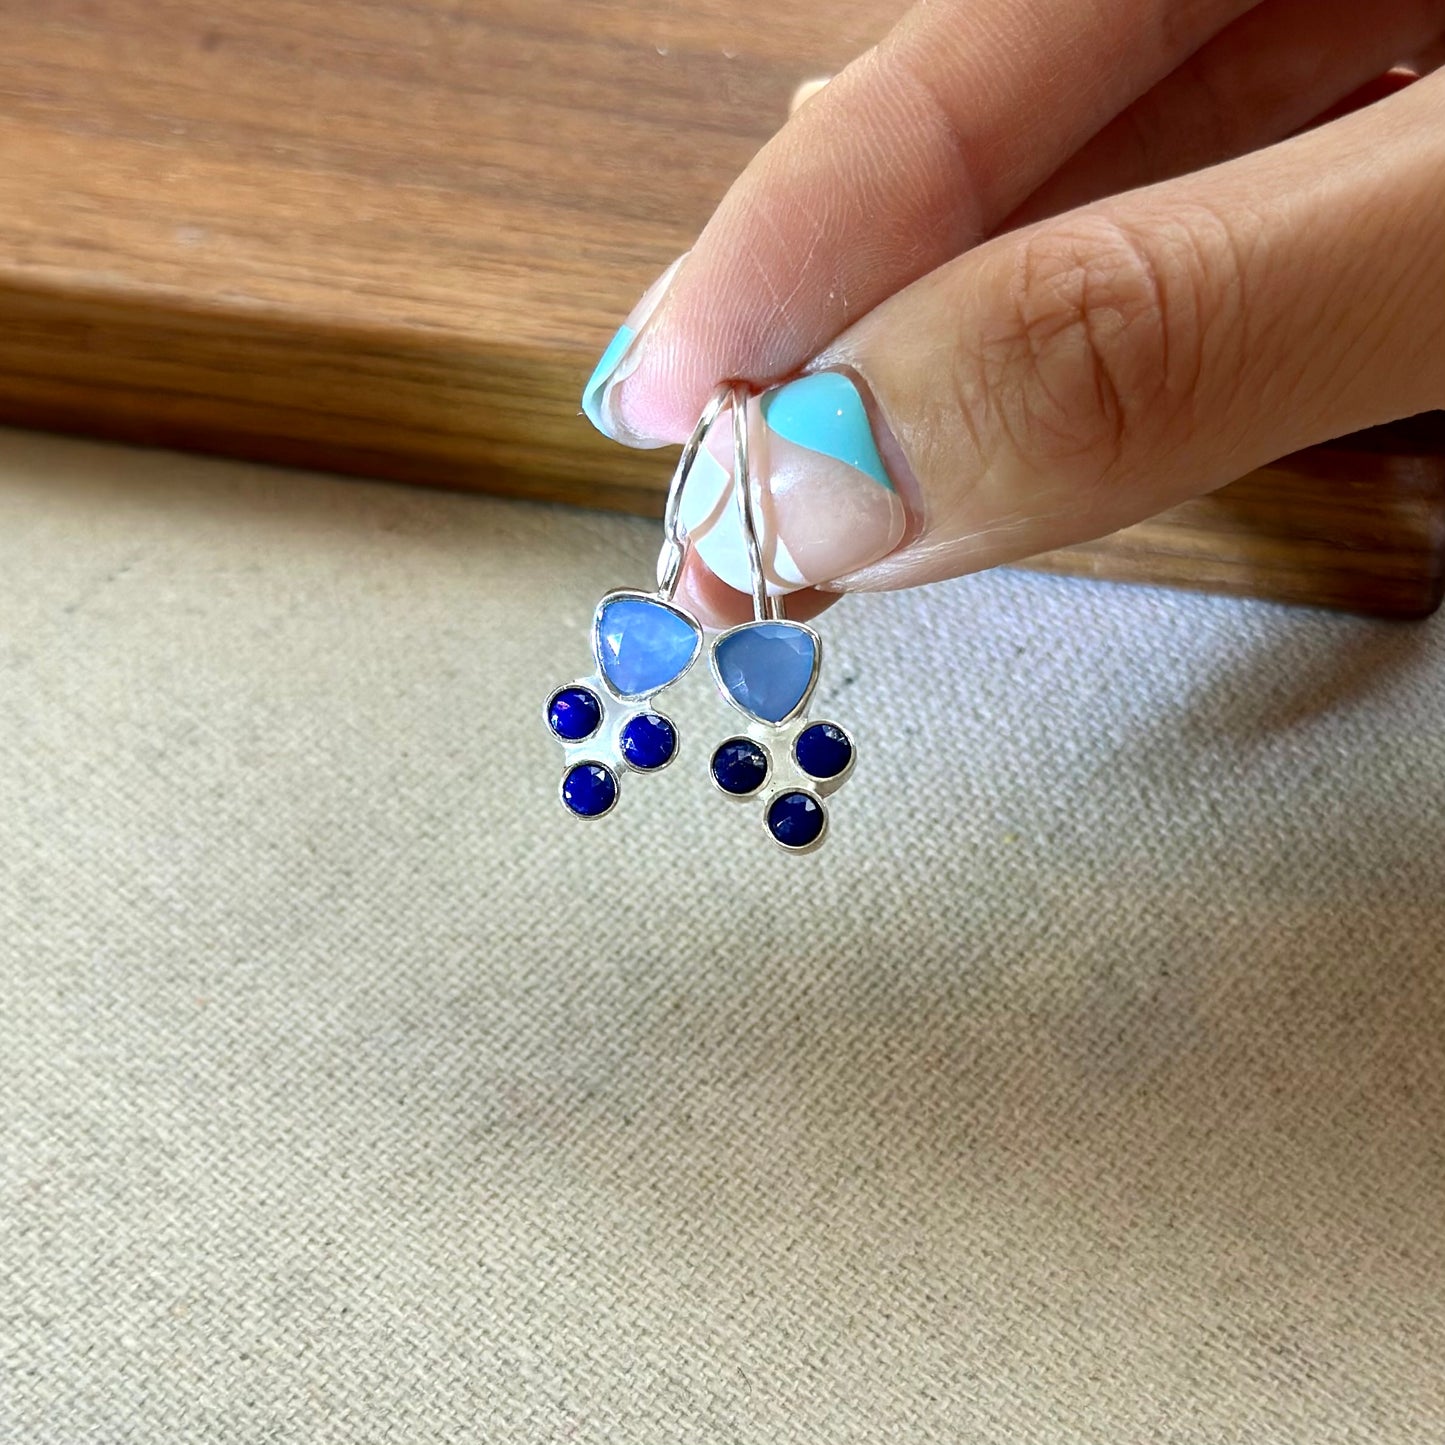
828 505
805 92
619 361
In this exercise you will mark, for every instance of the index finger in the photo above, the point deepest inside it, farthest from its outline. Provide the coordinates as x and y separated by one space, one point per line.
906 159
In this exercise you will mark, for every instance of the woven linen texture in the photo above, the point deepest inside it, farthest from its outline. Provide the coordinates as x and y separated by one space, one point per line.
1086 1087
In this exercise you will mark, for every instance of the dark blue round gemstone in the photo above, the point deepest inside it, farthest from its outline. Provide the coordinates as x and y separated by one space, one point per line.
823 750
649 740
795 819
740 766
589 790
574 714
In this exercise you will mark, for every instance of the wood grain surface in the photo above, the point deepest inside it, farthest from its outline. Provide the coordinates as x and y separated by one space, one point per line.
1358 524
390 237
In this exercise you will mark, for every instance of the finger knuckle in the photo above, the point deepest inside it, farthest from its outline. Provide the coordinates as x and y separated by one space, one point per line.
1095 345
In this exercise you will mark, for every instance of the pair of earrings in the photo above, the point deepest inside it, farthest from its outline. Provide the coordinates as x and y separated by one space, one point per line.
767 669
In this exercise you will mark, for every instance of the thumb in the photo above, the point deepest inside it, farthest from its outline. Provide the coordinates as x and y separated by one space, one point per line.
1063 381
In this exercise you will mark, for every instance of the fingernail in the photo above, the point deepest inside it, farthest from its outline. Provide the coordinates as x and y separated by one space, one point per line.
619 361
828 504
805 92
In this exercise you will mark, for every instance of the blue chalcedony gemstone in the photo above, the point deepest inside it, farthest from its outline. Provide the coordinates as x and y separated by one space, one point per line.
740 766
643 644
795 819
574 713
823 750
589 790
648 740
767 668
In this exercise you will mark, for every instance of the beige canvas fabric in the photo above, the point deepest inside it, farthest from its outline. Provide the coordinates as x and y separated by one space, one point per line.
1087 1087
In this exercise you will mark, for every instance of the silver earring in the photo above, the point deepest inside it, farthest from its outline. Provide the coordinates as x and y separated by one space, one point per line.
642 642
767 669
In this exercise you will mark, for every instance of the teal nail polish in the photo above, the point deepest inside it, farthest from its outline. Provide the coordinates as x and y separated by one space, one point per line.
602 374
825 414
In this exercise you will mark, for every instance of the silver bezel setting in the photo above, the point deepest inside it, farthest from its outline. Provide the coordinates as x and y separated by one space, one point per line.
762 788
747 627
637 594
604 745
573 687
789 847
622 752
785 773
589 762
824 786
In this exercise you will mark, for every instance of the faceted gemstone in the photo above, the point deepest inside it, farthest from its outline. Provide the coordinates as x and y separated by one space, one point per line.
574 713
643 644
589 790
823 750
795 819
740 766
649 740
767 668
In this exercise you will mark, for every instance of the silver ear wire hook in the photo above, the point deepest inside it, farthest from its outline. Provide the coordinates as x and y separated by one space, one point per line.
765 608
675 537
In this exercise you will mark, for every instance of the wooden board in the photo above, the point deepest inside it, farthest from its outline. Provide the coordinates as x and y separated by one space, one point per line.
390 237
1358 524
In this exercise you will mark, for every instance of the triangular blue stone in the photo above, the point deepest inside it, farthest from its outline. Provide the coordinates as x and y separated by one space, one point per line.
643 644
767 668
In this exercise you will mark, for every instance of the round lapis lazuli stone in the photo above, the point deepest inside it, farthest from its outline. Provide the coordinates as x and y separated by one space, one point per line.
648 740
823 750
574 714
740 767
589 790
795 819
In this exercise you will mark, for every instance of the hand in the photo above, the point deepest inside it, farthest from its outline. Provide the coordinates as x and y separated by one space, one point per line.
1045 269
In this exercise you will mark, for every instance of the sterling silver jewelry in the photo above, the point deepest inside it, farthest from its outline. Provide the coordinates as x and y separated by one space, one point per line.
767 669
642 642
